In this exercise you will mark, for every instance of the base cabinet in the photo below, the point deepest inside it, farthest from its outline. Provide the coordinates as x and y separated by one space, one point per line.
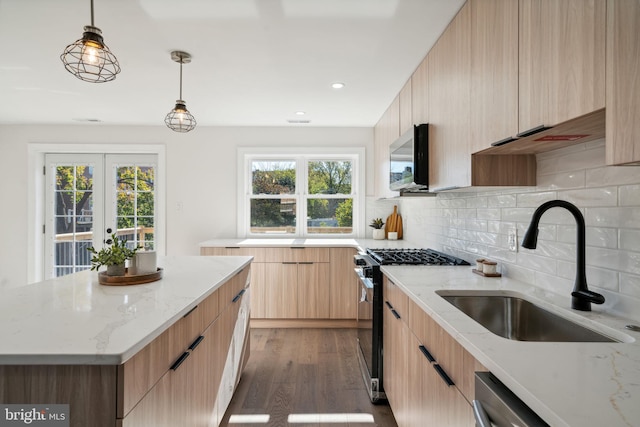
428 376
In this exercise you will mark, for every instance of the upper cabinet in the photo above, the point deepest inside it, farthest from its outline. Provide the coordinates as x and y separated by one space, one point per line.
420 93
385 132
561 60
494 71
404 105
623 82
449 63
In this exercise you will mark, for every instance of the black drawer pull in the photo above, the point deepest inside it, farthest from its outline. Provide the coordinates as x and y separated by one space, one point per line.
190 311
297 247
426 353
237 297
389 305
503 141
289 262
196 343
443 375
181 359
306 262
232 247
533 131
395 313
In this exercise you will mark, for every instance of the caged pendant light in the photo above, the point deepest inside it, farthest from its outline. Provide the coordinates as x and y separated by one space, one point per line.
89 59
180 119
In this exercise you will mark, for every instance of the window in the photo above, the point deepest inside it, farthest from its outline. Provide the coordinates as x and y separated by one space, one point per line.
302 194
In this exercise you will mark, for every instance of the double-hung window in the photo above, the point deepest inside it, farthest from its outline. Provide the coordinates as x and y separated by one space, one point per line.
300 194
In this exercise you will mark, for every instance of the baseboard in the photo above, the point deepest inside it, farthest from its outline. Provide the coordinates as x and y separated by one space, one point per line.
303 323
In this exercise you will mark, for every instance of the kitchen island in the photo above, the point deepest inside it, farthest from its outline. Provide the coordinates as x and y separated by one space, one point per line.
129 355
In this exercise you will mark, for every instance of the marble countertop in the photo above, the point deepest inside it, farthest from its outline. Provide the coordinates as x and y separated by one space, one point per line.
75 320
567 384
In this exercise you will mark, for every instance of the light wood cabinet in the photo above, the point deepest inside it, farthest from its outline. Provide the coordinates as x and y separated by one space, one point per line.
385 132
405 109
623 82
307 283
428 376
494 71
561 60
420 93
449 110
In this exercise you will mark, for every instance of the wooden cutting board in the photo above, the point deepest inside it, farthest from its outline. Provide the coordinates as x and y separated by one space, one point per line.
394 223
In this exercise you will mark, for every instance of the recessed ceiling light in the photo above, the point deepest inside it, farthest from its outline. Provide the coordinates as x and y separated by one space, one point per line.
300 113
337 85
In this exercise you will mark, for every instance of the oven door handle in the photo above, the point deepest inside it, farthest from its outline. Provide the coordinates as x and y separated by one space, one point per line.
481 416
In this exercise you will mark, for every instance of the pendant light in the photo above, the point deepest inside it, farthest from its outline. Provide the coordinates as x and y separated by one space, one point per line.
89 59
180 119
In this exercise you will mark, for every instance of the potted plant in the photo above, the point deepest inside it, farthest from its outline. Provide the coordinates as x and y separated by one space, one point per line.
378 231
113 256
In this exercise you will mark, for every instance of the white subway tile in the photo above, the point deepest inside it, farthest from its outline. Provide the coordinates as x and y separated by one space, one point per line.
612 175
533 200
502 201
613 217
604 196
488 214
630 285
562 180
526 258
630 240
476 202
629 195
476 224
595 236
553 283
622 261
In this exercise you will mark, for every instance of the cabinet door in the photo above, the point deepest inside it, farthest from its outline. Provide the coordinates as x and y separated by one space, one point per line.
313 290
281 293
562 60
386 131
494 71
623 82
420 93
449 110
405 109
343 285
259 284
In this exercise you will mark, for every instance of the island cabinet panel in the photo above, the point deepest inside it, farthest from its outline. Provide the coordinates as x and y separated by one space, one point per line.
623 82
90 390
561 60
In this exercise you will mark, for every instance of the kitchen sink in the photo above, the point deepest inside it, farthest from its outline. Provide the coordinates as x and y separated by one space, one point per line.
516 318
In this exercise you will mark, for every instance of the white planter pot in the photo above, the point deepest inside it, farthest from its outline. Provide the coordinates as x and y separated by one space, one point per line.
378 233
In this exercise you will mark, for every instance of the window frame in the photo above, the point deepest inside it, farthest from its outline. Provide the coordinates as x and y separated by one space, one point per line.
302 157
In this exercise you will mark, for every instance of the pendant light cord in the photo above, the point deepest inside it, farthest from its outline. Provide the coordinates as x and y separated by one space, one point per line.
92 14
180 77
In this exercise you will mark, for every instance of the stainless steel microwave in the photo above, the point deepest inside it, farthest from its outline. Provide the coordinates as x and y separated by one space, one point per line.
409 161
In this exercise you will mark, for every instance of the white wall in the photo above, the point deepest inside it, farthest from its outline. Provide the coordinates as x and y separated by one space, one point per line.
200 176
475 224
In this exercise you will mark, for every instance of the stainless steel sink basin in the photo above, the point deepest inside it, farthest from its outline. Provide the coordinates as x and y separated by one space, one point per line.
516 318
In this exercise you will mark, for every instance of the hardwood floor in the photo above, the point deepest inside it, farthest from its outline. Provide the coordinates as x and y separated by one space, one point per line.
298 372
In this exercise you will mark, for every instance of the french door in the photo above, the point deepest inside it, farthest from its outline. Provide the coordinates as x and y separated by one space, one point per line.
88 198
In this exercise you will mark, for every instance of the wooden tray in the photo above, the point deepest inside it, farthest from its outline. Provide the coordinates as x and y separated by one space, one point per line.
487 274
127 279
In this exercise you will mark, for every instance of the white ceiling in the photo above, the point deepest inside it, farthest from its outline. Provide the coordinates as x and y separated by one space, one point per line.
255 62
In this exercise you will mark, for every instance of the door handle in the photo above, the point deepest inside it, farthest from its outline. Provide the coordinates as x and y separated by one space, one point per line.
480 415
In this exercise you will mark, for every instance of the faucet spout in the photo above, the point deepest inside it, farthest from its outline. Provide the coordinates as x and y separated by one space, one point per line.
581 297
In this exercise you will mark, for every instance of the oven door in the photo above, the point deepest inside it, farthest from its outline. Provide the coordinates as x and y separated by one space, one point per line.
370 337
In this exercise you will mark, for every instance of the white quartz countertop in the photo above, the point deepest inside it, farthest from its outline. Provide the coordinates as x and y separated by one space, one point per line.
567 384
75 320
307 242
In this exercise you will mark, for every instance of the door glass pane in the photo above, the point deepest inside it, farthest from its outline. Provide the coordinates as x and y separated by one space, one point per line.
72 218
329 177
135 205
334 216
273 177
273 216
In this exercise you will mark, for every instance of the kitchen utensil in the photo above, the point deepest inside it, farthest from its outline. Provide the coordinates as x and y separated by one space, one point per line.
394 223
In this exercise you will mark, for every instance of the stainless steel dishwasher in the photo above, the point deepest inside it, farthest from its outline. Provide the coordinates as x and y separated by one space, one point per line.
496 406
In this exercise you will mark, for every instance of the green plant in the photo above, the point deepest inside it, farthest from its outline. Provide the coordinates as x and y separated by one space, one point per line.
377 223
115 254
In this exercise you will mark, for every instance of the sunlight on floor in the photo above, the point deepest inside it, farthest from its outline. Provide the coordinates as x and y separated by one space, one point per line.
249 419
330 418
303 418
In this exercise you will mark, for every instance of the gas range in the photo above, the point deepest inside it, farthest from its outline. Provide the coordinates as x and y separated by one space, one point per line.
413 257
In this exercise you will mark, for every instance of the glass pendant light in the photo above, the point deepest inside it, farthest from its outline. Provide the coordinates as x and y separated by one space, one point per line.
89 59
180 119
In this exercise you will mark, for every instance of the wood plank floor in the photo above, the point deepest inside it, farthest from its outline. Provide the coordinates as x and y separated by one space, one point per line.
304 371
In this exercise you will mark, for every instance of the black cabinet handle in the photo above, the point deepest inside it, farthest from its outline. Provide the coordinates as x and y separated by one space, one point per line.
389 305
395 313
190 311
196 343
426 353
533 131
237 297
181 359
232 247
306 263
289 262
443 375
297 247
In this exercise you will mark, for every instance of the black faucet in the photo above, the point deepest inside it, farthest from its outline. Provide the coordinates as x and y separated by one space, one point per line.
581 297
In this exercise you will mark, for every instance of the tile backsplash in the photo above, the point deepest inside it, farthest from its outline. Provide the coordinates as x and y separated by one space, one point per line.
476 223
